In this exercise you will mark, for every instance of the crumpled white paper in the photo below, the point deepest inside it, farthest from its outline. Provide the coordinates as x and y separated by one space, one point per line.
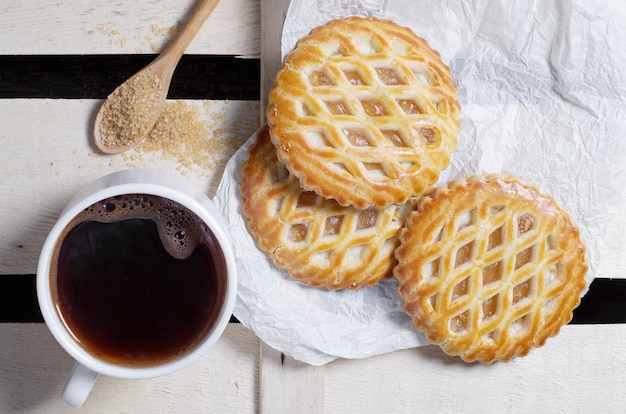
543 93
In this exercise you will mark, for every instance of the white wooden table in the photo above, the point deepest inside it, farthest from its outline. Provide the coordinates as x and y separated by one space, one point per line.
47 155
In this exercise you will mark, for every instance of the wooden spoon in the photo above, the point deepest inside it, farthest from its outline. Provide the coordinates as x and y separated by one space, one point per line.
130 112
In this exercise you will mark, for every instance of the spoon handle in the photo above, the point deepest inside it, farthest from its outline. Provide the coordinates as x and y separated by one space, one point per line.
200 13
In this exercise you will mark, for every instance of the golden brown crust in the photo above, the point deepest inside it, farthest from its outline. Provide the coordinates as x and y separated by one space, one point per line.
364 112
489 267
316 240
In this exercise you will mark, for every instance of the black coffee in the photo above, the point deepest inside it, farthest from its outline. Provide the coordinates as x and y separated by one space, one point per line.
138 279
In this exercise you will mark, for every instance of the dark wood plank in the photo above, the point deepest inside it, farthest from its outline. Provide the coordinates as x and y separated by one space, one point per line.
95 76
18 299
604 303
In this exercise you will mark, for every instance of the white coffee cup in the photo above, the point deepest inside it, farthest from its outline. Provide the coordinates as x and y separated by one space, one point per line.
89 366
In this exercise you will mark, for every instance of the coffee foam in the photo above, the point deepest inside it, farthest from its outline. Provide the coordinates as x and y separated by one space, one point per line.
180 230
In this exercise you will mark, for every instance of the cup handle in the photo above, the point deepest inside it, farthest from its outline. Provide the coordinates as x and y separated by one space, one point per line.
79 385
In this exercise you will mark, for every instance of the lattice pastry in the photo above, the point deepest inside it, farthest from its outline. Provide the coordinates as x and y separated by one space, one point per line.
316 240
489 268
364 112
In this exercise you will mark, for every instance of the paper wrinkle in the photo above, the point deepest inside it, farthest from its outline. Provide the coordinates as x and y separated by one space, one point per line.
543 93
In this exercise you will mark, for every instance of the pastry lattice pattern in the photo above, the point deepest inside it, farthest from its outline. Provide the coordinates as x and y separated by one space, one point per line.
493 276
316 240
489 276
378 108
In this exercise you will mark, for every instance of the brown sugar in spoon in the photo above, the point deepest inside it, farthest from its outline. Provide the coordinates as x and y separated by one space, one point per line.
130 112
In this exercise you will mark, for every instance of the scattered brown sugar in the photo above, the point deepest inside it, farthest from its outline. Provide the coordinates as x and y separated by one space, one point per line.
128 110
182 136
163 31
198 136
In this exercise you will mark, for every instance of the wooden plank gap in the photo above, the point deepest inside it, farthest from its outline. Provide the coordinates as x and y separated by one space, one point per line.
289 386
286 385
273 15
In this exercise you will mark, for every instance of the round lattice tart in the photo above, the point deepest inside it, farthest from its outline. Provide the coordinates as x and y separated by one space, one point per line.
316 240
364 112
489 268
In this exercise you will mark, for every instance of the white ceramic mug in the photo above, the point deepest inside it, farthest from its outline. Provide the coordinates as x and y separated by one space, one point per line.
151 182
